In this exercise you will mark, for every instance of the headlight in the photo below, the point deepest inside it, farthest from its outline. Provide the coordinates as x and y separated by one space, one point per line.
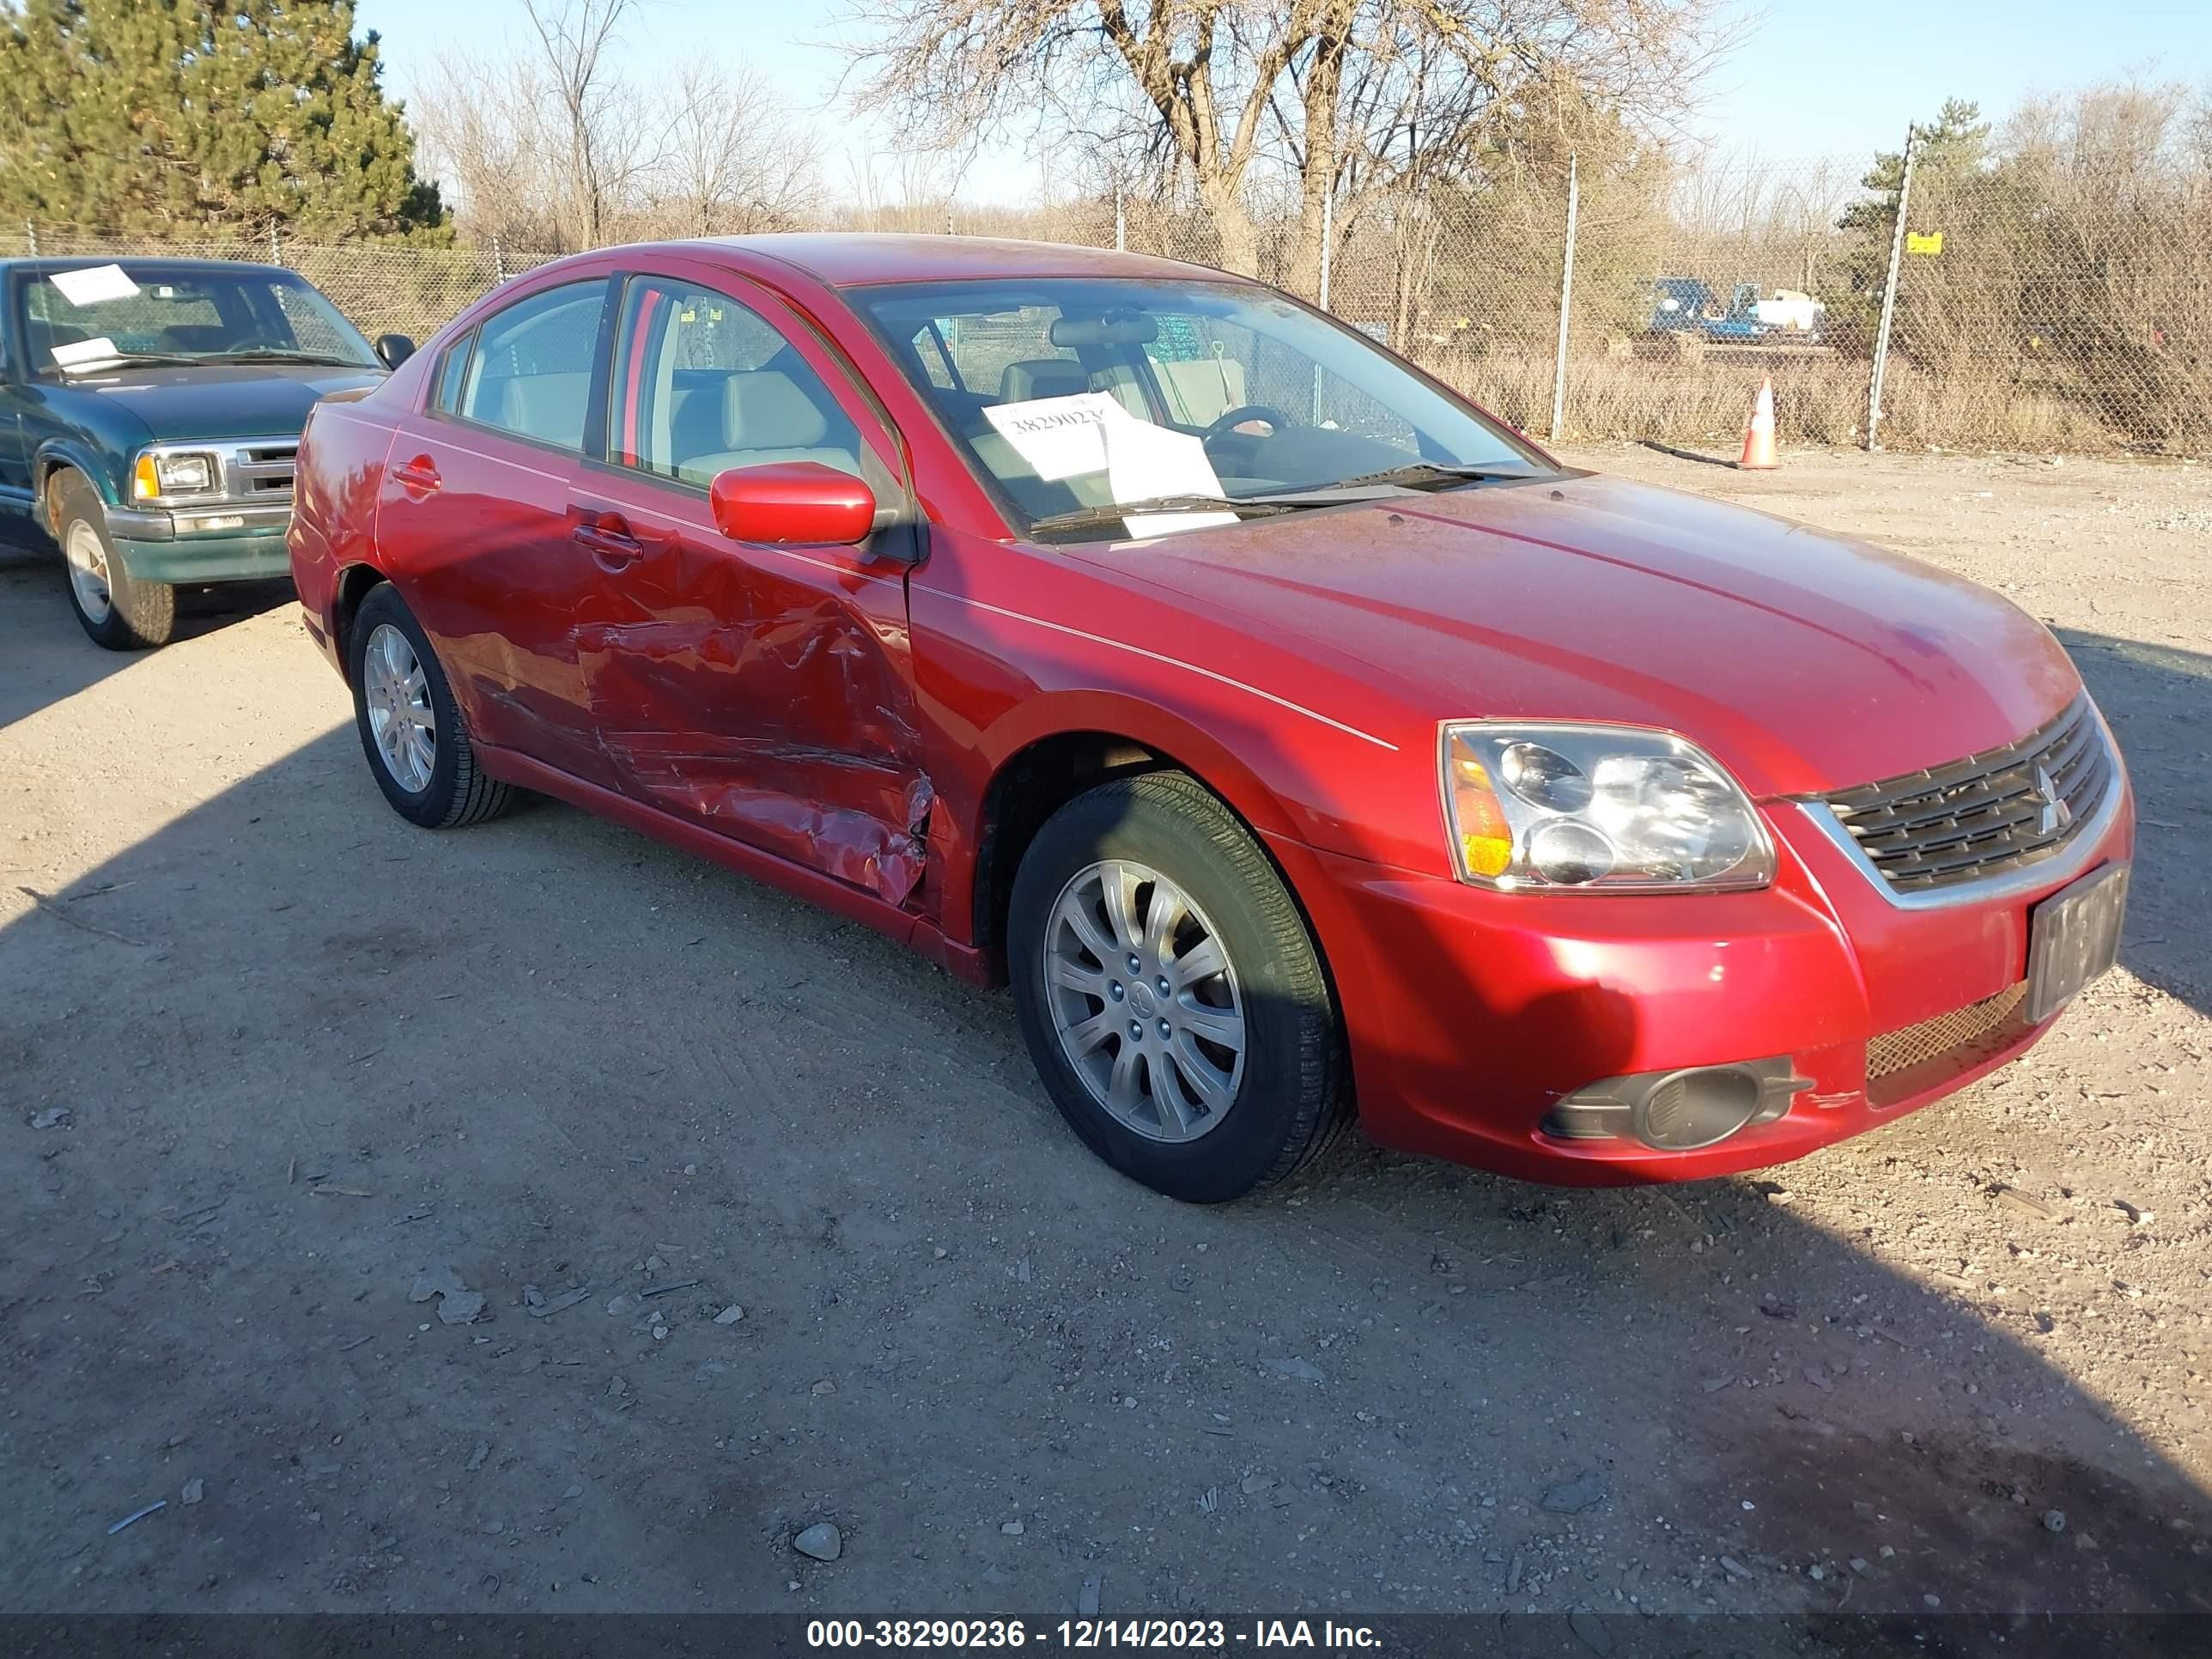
173 472
1597 809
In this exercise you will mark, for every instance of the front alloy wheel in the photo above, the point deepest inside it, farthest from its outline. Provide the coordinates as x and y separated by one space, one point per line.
1144 1000
88 572
1171 993
116 610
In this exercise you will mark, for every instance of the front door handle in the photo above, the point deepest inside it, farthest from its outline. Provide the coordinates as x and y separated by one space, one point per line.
606 536
418 478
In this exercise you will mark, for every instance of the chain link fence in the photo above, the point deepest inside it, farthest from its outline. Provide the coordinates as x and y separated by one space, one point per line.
2056 301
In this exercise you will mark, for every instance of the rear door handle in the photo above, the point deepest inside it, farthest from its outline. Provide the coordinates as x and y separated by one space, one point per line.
606 536
418 477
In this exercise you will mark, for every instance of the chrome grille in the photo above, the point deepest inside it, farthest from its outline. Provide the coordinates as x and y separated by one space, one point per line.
1986 814
261 470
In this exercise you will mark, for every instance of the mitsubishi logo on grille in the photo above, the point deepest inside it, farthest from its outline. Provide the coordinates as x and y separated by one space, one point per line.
2057 814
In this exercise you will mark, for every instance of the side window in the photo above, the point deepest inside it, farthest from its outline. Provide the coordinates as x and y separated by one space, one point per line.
531 373
702 383
452 368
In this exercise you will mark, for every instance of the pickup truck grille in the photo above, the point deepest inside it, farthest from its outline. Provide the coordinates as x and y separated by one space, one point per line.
261 470
1989 813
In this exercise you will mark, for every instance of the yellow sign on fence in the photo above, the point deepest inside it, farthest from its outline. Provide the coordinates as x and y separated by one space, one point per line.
1917 241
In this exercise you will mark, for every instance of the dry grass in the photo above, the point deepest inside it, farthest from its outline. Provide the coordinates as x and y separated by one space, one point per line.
1818 398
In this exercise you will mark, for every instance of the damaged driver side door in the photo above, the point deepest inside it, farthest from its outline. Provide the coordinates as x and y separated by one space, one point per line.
764 691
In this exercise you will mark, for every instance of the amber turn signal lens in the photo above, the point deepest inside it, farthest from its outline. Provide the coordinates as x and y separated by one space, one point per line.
1485 839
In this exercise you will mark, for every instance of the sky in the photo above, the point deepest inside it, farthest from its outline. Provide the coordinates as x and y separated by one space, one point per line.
1813 78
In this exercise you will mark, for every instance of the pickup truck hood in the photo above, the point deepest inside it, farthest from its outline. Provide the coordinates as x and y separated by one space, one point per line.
219 400
1804 661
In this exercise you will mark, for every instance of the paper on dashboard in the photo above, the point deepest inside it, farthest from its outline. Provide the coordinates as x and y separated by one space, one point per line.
1058 437
70 353
1144 461
1091 432
91 284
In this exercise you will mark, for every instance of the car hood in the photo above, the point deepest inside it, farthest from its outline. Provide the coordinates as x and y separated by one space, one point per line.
220 400
1804 661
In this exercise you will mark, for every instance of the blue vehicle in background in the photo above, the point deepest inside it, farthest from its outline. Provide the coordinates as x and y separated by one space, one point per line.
1685 304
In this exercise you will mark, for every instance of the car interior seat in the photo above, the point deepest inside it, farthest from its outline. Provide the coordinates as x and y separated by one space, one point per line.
1042 377
767 416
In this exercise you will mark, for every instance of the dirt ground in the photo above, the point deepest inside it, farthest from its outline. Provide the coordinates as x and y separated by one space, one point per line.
296 1052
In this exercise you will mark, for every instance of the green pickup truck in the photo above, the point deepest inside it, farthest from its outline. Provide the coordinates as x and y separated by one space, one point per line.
149 414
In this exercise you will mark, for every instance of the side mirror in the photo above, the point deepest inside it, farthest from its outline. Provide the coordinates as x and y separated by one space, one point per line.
394 348
801 501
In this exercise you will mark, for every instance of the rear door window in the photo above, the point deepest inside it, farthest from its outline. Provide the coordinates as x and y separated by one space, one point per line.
531 373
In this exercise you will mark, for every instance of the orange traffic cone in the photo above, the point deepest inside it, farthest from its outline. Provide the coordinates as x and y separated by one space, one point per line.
1759 436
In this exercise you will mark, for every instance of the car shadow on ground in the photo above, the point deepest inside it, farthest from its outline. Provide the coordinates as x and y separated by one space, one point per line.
56 660
314 1051
2154 697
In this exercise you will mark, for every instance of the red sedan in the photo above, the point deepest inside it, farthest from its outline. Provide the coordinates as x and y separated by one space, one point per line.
1296 739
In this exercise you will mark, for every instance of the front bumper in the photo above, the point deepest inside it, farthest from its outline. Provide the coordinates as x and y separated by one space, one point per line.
201 545
1470 1014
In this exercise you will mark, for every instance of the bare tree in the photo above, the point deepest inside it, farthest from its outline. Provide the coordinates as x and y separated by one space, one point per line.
603 145
481 125
1372 96
734 158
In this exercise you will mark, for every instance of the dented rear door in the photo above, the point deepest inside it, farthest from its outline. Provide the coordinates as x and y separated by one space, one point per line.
764 692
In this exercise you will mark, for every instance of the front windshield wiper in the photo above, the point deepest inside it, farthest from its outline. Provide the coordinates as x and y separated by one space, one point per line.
1436 475
1084 517
109 361
264 355
1292 501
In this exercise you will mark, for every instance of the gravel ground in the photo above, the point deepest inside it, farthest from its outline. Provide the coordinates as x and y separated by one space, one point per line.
304 1082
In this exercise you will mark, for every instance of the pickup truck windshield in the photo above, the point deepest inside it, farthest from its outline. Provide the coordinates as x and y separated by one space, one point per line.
1191 402
103 314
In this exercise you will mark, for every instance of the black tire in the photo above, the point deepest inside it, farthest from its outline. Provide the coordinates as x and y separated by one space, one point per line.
1292 1094
138 614
457 792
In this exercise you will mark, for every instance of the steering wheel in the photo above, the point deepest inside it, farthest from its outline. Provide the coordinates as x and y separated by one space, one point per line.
1229 420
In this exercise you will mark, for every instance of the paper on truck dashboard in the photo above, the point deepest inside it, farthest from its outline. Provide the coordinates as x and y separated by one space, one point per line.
93 283
70 353
1091 432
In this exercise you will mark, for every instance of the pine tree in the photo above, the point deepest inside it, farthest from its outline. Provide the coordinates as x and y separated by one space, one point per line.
177 117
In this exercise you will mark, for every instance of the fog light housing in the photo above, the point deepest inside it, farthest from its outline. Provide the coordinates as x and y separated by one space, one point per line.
1692 1110
1679 1111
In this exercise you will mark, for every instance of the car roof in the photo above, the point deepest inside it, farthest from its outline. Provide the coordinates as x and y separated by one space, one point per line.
862 258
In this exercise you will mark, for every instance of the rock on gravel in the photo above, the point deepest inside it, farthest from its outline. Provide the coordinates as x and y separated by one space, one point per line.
1572 1496
821 1540
460 1307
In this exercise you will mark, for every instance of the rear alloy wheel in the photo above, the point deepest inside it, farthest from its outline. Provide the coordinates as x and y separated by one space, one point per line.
411 729
1169 993
115 609
396 692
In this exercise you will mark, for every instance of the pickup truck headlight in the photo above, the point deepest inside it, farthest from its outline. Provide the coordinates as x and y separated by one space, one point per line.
1597 809
174 472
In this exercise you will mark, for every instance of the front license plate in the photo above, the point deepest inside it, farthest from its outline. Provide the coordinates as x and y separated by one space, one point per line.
2073 936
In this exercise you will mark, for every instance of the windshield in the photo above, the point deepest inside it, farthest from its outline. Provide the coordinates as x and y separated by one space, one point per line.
1076 396
97 315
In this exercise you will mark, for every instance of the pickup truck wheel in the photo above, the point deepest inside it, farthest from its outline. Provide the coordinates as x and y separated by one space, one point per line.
1169 993
411 729
117 611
